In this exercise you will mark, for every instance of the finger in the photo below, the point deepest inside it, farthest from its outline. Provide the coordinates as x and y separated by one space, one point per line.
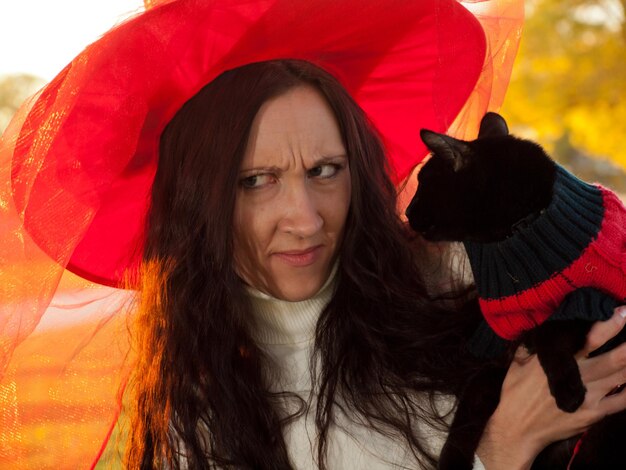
602 331
600 388
604 365
613 403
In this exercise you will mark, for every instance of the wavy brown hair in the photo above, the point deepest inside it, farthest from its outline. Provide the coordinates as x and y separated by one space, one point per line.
199 394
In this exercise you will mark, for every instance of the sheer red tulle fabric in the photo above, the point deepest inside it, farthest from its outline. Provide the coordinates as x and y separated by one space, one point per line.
408 64
64 341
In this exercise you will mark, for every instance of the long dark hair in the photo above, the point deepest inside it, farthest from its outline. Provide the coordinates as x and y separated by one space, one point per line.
199 392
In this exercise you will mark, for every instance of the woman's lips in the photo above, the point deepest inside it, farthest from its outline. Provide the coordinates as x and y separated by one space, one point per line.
300 258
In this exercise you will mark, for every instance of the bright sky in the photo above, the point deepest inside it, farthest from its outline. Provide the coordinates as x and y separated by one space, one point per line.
40 37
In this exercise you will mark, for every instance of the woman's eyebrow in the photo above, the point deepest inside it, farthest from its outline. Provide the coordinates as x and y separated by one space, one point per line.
316 162
262 169
329 159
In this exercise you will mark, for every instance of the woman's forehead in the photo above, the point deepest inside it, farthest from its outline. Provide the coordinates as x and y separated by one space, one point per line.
299 123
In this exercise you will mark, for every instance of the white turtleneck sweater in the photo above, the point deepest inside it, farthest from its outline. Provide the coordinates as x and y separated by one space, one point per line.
285 330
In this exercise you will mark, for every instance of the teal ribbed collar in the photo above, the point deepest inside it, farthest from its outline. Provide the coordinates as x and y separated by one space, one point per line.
544 246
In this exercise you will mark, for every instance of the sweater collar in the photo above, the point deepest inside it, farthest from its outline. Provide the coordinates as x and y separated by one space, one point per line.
544 246
283 322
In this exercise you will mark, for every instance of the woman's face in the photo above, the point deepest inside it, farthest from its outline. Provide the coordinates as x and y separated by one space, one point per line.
293 196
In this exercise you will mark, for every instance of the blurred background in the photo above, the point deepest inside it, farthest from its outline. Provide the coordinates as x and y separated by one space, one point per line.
39 37
568 88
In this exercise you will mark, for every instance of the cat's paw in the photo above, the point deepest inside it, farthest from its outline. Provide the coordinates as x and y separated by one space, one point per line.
569 396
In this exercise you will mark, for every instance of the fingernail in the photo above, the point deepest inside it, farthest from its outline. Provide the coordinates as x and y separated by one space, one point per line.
621 311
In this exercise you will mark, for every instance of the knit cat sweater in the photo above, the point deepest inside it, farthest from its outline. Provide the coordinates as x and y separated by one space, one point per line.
569 262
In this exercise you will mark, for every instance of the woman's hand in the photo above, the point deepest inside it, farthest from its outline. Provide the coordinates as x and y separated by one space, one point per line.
527 418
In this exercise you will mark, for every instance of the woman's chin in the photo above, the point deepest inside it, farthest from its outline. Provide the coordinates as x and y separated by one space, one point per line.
297 293
298 286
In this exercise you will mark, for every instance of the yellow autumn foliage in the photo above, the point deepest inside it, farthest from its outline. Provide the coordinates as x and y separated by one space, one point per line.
569 80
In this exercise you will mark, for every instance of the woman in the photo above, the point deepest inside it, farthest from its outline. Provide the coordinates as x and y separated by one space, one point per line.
299 201
272 186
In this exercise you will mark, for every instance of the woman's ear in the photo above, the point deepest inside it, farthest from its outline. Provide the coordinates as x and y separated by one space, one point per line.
493 125
448 148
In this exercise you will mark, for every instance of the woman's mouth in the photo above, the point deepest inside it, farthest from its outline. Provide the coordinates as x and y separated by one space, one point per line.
300 258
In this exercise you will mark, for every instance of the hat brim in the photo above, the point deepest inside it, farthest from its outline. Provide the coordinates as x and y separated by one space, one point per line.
94 130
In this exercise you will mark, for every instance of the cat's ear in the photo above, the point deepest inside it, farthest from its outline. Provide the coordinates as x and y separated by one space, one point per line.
448 148
493 125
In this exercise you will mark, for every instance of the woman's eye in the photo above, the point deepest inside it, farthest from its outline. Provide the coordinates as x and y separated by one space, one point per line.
257 181
324 171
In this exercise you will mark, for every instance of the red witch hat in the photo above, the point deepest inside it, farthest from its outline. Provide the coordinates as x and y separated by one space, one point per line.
94 130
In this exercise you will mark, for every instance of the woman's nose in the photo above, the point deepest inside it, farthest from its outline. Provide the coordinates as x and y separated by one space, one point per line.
301 216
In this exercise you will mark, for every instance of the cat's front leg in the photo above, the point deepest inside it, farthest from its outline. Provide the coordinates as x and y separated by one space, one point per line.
556 343
557 340
475 407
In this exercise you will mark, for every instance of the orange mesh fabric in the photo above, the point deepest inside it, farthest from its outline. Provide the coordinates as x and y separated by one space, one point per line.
64 343
502 22
60 390
61 355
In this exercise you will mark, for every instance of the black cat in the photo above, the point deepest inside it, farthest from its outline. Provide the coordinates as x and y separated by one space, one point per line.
548 254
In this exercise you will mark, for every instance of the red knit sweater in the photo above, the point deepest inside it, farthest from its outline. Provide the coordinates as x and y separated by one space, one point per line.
579 241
